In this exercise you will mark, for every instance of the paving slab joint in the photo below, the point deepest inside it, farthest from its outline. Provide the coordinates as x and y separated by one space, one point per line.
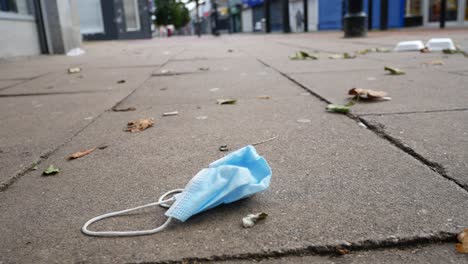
333 250
380 131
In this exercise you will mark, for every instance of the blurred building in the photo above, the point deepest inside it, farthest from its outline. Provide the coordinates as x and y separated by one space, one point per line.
115 19
31 27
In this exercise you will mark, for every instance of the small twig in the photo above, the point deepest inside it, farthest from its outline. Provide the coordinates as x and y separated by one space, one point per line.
264 141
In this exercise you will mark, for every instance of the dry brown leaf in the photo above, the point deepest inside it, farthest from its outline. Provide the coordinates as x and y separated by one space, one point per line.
425 50
343 251
266 97
367 94
80 154
462 247
139 125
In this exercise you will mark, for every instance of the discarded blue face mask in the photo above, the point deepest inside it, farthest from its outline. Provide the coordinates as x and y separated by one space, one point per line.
238 175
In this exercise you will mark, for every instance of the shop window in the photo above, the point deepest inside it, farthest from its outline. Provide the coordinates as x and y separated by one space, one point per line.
132 17
413 8
23 7
435 9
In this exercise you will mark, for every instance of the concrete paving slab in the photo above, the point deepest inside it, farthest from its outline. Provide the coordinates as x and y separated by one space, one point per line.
424 89
35 125
438 253
88 80
6 84
441 137
241 67
374 200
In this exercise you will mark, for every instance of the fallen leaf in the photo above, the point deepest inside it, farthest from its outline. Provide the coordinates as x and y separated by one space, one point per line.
51 170
103 146
425 50
342 251
367 93
434 63
394 71
265 97
226 101
338 108
456 51
203 69
223 148
80 154
34 168
364 51
121 81
383 50
302 55
346 55
251 219
462 247
123 109
74 70
171 113
139 125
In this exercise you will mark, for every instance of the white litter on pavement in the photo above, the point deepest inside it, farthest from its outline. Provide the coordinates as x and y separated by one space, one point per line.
438 44
415 45
75 52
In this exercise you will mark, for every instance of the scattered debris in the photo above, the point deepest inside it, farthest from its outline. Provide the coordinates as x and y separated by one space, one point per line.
414 45
383 50
226 101
50 87
394 71
368 94
204 69
456 51
88 118
51 170
163 89
302 55
230 50
34 168
80 154
251 219
131 108
434 63
223 148
304 120
139 125
74 70
424 50
75 52
264 141
342 251
201 117
344 109
364 51
102 146
361 124
214 89
346 55
462 247
171 113
121 81
371 78
265 97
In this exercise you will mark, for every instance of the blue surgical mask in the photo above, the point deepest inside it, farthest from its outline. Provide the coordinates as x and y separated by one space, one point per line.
236 176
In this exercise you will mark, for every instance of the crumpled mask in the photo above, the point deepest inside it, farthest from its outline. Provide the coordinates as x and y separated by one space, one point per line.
238 175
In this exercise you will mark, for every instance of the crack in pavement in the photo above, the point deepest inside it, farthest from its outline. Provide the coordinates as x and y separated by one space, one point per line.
391 242
436 167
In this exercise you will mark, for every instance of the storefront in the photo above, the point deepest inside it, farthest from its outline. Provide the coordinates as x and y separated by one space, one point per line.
427 12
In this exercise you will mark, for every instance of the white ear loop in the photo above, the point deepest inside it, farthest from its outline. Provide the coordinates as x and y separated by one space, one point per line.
161 202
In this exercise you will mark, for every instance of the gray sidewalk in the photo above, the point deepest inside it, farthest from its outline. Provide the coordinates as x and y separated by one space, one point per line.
396 191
